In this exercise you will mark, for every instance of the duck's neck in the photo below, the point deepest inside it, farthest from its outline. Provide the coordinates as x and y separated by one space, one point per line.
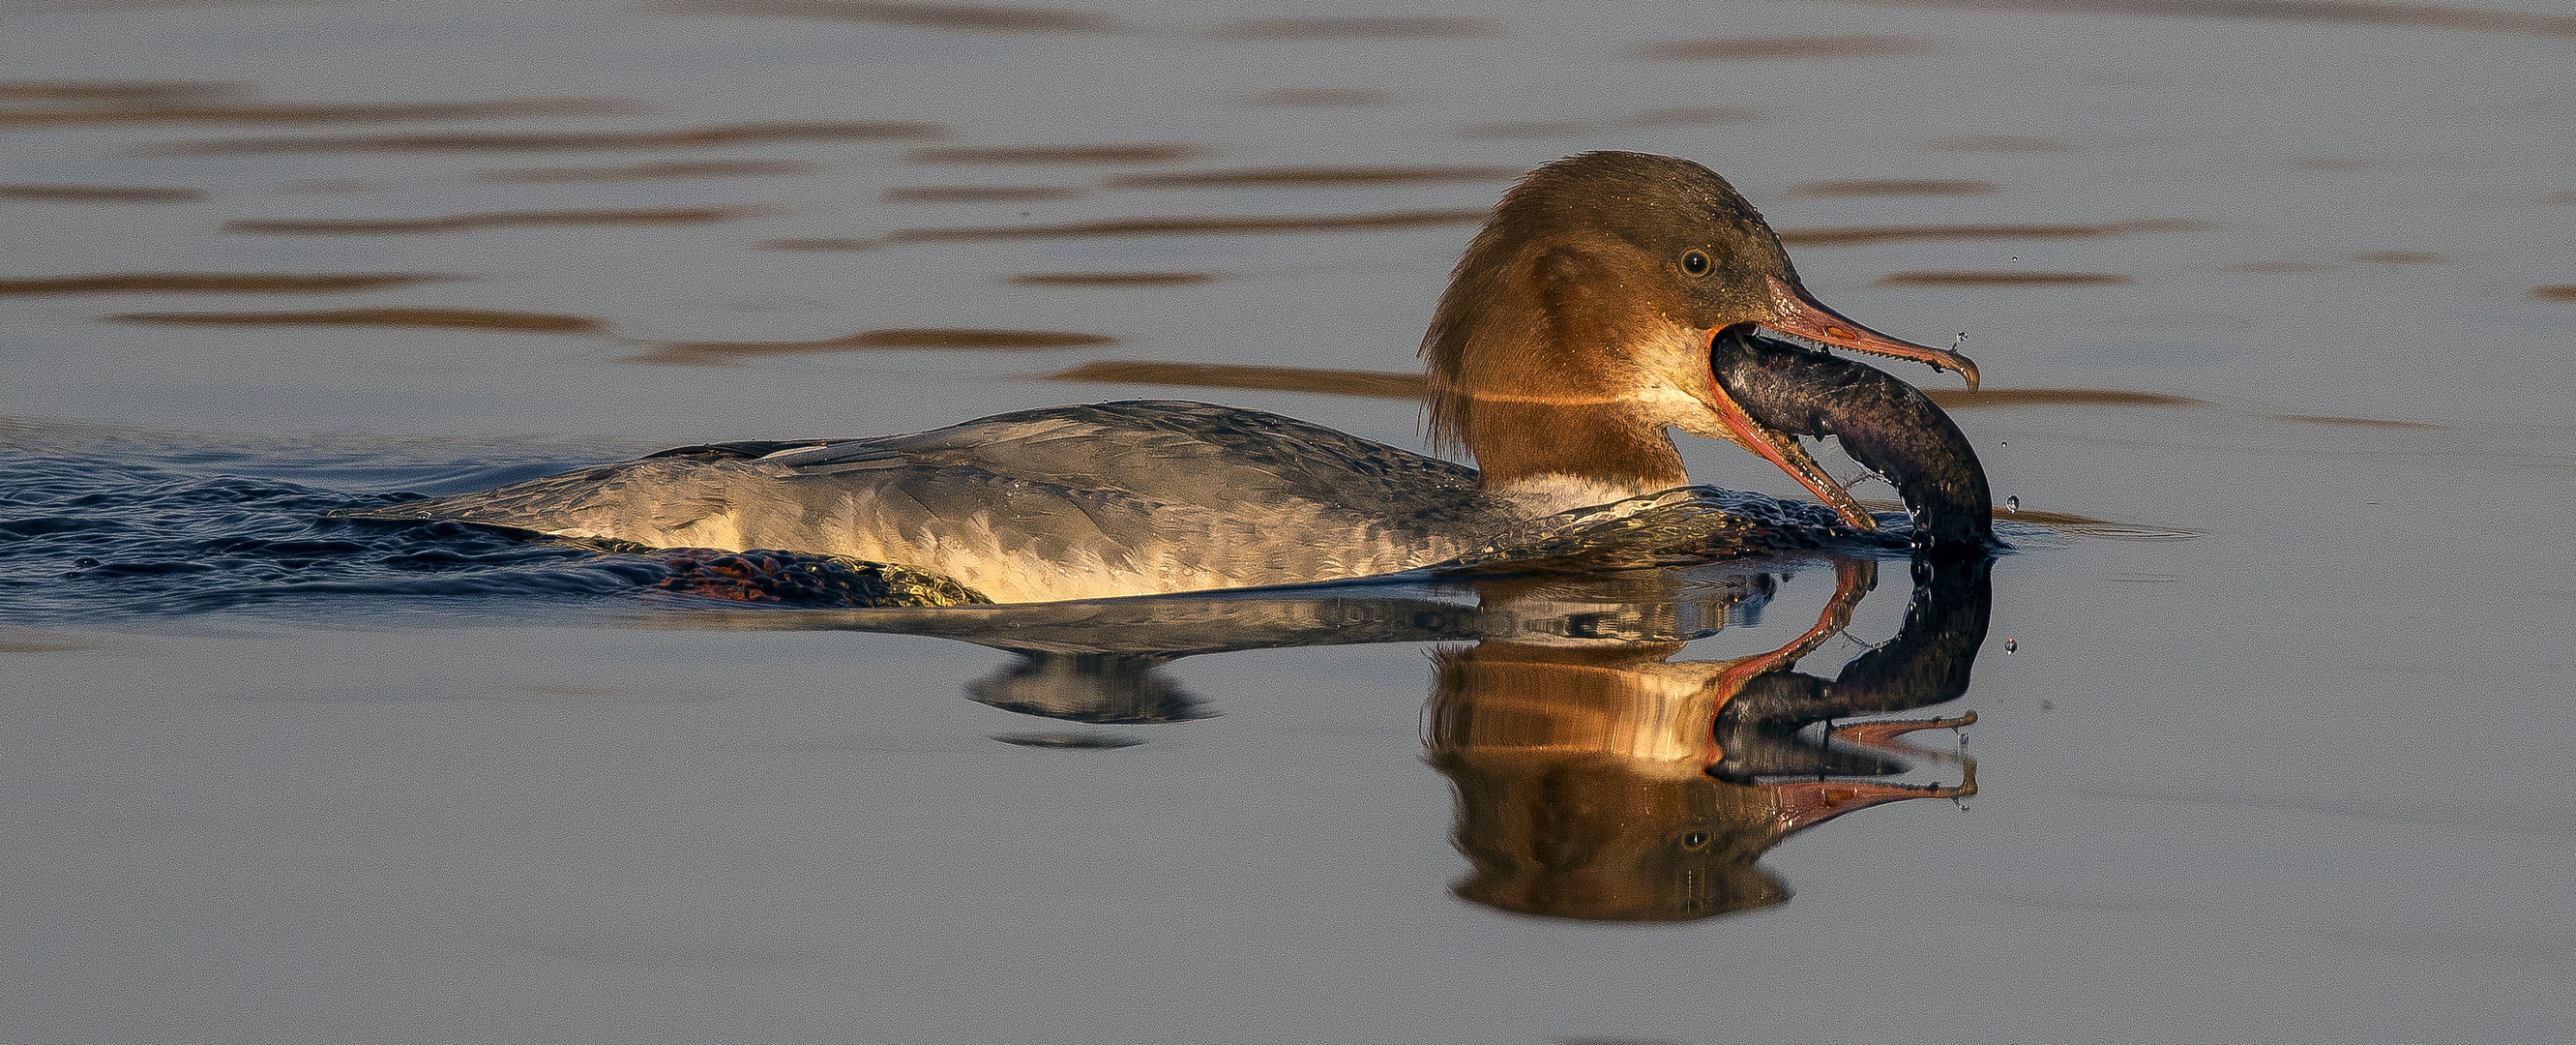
1545 370
1559 453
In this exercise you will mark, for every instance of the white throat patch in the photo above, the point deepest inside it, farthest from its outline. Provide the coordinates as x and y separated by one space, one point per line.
1552 492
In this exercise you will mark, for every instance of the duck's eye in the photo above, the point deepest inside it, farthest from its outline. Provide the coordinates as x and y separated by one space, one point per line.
1695 263
1695 839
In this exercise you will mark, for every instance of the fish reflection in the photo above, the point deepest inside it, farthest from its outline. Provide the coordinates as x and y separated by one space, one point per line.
1596 777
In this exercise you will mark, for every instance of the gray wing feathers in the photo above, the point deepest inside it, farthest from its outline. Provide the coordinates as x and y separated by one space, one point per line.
1066 502
650 496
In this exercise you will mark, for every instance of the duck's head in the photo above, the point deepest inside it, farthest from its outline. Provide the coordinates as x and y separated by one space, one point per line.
1577 327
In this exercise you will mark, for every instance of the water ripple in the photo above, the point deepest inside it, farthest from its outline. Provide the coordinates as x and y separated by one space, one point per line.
95 535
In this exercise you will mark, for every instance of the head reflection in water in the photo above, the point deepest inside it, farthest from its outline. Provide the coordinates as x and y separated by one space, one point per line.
1598 780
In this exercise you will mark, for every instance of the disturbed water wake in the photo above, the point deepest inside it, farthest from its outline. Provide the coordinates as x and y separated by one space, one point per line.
101 527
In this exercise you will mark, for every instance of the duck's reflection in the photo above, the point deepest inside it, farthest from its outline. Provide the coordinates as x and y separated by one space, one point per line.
1099 688
1596 776
1605 781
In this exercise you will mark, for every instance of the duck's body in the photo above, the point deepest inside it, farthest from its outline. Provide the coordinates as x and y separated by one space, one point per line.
1066 502
1575 334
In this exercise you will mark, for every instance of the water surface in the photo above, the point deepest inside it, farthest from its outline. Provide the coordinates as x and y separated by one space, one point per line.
2275 752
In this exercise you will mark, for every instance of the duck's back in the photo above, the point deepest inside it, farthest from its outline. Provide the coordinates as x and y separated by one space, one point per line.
1058 503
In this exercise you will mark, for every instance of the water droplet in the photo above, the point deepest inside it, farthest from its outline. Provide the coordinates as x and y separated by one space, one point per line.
2012 645
2012 504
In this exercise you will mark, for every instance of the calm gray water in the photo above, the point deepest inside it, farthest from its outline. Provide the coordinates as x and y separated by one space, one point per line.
2278 754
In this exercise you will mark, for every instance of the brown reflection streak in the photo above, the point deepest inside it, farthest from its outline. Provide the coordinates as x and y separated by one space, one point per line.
1999 143
2295 10
1267 378
722 353
118 92
383 317
212 282
1130 153
324 113
1524 129
818 244
1198 226
1756 48
978 193
1354 28
101 193
1893 187
2354 422
1958 279
1697 116
1394 385
1896 233
917 16
1309 177
2561 292
1316 97
687 138
1111 279
648 171
2558 197
2400 257
330 185
499 219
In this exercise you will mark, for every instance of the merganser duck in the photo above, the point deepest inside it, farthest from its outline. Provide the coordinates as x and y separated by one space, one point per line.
1577 328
